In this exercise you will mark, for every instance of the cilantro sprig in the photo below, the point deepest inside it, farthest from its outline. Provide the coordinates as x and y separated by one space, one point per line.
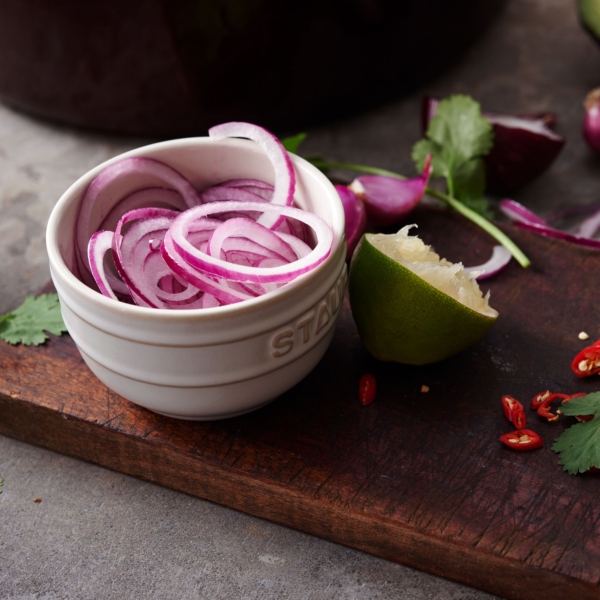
579 446
457 138
29 323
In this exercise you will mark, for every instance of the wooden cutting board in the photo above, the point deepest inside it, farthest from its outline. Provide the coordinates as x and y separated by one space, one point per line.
418 478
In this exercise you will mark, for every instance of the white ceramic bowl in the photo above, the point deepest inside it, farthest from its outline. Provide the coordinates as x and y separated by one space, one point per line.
211 363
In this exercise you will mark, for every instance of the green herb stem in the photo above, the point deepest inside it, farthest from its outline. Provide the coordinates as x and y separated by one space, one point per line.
476 218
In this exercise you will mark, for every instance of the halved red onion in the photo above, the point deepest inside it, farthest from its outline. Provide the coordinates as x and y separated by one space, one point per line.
99 199
499 259
217 267
388 199
356 217
285 178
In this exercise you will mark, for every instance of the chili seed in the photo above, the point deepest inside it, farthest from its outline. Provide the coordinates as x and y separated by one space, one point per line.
583 336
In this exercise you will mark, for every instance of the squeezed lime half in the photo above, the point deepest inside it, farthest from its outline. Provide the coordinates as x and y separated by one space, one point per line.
410 305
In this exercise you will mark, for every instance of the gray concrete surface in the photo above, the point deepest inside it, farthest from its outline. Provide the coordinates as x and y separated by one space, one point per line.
100 534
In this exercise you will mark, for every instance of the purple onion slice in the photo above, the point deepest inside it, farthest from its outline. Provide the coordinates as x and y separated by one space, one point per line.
99 200
100 244
499 259
285 178
519 213
148 197
216 267
548 231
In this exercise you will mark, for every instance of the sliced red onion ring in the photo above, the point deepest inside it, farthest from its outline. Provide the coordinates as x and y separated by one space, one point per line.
517 212
499 259
214 287
98 200
100 244
525 219
148 197
154 223
548 231
247 228
219 268
222 193
256 186
285 178
300 248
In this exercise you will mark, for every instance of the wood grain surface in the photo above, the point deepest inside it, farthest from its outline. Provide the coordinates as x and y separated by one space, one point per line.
418 478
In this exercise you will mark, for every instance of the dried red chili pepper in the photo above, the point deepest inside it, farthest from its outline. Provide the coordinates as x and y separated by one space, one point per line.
514 411
367 388
522 439
587 362
580 418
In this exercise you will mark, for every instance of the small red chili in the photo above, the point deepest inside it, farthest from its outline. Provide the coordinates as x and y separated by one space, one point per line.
580 418
537 400
519 420
367 388
509 406
522 439
544 408
514 411
587 362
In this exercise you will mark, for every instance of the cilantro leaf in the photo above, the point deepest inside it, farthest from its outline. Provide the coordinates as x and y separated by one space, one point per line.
579 446
28 323
291 144
457 138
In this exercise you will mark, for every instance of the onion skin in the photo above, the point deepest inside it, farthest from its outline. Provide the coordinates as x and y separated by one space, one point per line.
591 121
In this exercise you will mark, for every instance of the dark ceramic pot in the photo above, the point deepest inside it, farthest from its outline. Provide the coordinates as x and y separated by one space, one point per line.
175 67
